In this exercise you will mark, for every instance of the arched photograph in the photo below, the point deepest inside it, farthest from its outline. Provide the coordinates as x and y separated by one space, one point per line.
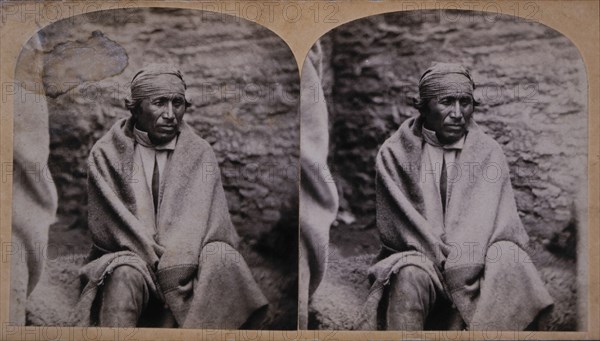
448 190
156 156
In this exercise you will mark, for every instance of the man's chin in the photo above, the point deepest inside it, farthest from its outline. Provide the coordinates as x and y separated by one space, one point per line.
161 138
451 137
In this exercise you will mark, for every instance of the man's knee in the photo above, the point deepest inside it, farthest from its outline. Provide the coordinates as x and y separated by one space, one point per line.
414 284
128 276
127 272
413 274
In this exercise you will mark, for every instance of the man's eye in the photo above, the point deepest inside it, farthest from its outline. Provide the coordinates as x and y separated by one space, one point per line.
465 101
178 103
158 103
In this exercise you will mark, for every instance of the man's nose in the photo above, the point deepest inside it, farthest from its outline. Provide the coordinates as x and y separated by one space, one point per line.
169 112
455 112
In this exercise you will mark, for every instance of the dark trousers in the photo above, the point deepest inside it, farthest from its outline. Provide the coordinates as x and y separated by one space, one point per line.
125 301
414 303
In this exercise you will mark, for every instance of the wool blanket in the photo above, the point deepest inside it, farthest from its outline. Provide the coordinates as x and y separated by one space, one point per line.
318 194
189 256
34 197
478 252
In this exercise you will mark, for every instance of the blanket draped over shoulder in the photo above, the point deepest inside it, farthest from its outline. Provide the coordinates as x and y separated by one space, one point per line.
318 194
490 291
34 197
189 259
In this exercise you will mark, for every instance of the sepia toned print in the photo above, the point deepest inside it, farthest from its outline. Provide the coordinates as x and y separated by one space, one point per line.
66 87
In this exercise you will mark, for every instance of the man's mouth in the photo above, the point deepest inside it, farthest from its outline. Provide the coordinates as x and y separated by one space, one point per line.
167 129
454 126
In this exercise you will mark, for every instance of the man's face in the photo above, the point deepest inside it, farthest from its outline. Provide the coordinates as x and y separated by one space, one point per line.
449 116
160 116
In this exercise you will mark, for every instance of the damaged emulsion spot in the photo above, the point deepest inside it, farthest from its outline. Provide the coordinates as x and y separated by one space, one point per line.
74 62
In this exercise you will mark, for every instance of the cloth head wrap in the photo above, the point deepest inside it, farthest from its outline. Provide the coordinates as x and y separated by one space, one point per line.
444 79
157 79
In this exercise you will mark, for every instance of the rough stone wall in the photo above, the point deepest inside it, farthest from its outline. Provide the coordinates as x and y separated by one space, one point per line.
242 81
531 83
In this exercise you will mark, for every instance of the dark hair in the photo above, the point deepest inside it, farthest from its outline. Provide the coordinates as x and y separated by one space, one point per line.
131 104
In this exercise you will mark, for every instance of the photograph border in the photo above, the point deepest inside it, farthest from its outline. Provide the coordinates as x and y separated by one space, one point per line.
300 24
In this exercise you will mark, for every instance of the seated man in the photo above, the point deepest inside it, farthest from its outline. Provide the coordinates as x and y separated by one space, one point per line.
163 249
452 253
